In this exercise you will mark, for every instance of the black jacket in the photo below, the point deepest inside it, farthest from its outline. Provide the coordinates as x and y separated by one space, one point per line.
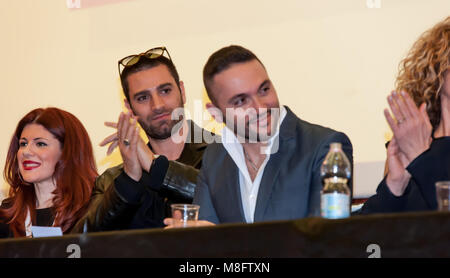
119 202
431 166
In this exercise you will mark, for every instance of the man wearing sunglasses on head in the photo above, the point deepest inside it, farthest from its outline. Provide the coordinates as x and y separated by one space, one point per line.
138 193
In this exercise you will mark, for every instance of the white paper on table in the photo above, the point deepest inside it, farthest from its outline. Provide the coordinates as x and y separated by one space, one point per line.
39 231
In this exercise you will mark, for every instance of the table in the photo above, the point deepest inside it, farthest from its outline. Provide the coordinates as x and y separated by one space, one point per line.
420 234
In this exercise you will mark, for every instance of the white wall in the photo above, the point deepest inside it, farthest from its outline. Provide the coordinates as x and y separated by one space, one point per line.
332 62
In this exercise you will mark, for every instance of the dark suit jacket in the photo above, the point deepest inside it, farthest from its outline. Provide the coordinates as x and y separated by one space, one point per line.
291 183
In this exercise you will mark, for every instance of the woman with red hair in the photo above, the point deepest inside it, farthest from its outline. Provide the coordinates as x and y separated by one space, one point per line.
51 169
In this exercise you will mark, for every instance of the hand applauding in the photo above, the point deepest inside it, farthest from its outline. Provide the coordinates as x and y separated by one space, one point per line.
135 153
412 136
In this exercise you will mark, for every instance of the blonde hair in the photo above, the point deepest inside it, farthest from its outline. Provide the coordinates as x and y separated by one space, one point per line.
422 72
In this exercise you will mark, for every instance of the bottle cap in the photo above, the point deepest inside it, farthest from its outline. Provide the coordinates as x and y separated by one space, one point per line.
335 146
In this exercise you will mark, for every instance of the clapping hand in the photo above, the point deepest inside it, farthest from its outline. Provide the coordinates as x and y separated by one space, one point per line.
127 138
412 136
397 178
411 127
144 154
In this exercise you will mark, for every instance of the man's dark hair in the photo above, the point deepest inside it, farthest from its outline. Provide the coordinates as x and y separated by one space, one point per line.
145 63
222 60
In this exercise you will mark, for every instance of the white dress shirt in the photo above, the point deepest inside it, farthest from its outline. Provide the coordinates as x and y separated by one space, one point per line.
249 189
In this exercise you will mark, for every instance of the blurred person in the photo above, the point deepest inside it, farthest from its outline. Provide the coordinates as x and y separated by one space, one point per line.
419 153
51 170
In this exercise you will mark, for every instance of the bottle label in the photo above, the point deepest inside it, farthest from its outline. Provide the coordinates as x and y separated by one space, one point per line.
335 205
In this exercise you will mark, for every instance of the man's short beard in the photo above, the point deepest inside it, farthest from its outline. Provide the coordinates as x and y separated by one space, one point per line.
247 135
158 134
253 136
154 133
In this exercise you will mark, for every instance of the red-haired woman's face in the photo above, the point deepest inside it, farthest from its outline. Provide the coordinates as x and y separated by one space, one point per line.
38 153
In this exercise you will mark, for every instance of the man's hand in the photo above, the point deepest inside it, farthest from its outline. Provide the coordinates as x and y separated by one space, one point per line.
412 127
171 223
128 134
113 139
145 155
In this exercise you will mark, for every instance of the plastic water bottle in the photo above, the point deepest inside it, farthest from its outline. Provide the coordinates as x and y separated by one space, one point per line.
335 195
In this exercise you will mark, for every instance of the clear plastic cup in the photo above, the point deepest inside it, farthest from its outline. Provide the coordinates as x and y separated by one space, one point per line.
184 215
443 195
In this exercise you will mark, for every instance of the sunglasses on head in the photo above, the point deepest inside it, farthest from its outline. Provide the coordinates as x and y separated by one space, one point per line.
150 54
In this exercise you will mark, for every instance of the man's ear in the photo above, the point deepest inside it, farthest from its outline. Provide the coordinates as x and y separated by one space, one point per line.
128 106
215 112
183 95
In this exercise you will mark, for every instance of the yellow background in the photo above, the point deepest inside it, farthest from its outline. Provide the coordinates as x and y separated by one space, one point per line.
332 62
